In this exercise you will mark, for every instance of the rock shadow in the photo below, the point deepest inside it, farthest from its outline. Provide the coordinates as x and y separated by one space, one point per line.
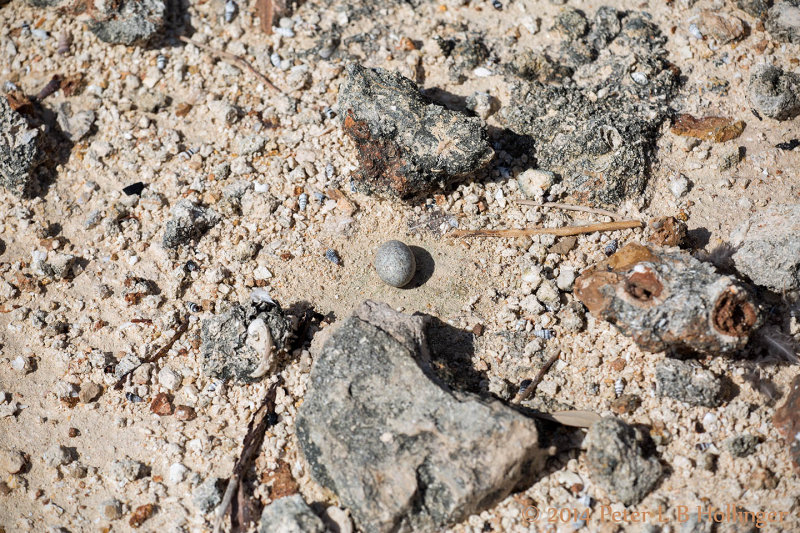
425 267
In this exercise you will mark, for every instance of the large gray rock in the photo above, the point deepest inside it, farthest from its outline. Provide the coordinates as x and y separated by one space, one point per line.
188 223
769 247
129 22
618 462
688 383
20 150
241 343
407 145
783 21
402 451
290 515
774 92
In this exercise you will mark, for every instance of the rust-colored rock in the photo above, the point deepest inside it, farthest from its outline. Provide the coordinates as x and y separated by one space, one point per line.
161 405
717 129
667 231
141 514
787 421
669 300
281 481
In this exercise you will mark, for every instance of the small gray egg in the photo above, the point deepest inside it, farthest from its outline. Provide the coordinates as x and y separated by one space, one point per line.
395 263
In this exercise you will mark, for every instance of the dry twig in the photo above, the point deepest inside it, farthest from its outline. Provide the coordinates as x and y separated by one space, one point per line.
561 232
265 11
530 389
232 58
250 446
570 207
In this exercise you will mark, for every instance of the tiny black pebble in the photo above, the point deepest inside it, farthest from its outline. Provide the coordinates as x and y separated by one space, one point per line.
272 419
191 266
135 398
788 145
497 5
134 188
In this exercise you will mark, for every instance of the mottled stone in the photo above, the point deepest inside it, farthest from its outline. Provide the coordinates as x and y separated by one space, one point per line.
619 462
783 21
128 22
774 92
290 515
407 145
768 247
188 223
20 150
689 383
398 448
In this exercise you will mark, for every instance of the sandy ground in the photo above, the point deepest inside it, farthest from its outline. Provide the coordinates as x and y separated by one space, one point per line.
475 281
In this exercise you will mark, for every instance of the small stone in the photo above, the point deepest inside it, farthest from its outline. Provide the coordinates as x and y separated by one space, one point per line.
169 379
185 413
768 247
625 404
11 461
57 455
775 92
741 445
565 279
783 21
534 183
73 432
755 8
290 515
667 231
548 294
89 392
125 470
188 223
685 382
717 129
53 265
20 151
111 509
207 495
161 405
482 104
679 185
729 157
22 364
141 514
407 145
395 263
573 317
75 126
721 27
337 519
128 22
564 245
177 473
618 461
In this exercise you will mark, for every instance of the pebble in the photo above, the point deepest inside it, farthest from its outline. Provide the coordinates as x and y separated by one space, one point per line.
169 379
177 473
57 455
679 186
89 392
534 183
111 509
395 263
565 279
22 364
11 461
741 445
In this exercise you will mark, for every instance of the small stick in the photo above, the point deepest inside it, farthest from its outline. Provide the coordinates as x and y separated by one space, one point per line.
570 207
159 354
52 86
561 232
252 443
233 59
530 389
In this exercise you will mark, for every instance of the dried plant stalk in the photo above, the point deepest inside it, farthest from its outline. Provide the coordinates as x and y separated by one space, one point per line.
561 232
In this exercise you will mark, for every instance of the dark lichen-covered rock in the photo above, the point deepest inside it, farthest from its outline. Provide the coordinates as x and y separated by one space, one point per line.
783 21
598 135
686 382
241 343
290 514
756 8
775 92
129 22
20 150
742 445
619 462
402 451
407 145
668 299
768 247
189 222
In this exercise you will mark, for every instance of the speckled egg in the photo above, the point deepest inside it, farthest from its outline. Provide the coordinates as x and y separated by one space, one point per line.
395 263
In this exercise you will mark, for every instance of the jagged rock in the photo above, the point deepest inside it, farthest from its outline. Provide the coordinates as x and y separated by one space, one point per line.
775 92
755 8
407 145
401 450
20 150
783 21
236 344
685 382
769 247
75 126
598 136
619 462
668 299
208 494
188 223
129 22
290 514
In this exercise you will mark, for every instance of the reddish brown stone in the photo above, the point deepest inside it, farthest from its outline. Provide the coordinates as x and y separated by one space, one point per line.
667 231
141 514
717 129
185 413
161 405
787 421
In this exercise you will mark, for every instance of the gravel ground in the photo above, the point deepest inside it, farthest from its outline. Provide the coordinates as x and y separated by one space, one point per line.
203 132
